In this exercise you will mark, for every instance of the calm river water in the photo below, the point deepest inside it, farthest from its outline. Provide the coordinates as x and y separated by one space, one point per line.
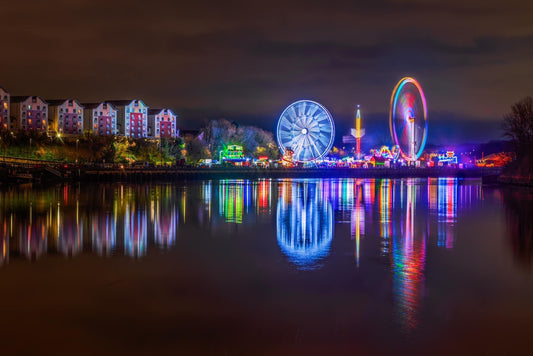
329 266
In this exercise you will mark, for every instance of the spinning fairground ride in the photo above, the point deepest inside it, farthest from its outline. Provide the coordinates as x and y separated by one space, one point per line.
408 118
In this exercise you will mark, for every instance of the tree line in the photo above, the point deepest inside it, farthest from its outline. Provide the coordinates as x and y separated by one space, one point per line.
518 126
207 143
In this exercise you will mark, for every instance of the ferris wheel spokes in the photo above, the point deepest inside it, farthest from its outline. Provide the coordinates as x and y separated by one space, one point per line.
306 128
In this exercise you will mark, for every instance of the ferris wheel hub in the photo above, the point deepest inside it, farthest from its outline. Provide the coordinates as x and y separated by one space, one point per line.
304 131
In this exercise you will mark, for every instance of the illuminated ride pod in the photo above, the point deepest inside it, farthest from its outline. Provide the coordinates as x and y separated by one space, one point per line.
388 153
408 118
306 128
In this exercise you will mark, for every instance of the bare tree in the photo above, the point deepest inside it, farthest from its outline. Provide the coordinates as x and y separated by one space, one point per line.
518 125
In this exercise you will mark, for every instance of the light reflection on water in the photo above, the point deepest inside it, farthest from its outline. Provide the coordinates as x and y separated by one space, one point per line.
396 221
304 222
106 220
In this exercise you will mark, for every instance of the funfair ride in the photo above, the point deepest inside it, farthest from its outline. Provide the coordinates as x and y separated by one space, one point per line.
408 118
305 127
358 133
355 135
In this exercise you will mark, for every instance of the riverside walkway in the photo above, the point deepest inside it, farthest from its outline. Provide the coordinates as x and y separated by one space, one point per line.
251 173
17 170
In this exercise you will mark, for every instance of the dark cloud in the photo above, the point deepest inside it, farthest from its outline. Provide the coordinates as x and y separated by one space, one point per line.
246 60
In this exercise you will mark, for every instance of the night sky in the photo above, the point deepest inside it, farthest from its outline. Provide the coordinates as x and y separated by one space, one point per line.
245 61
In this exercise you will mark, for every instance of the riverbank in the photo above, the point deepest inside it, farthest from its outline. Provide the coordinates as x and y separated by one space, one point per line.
516 179
519 172
44 174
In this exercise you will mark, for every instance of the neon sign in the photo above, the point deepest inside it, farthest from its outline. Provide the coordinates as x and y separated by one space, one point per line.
448 157
232 153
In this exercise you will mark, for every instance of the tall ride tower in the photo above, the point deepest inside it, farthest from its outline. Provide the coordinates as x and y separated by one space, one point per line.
355 134
358 132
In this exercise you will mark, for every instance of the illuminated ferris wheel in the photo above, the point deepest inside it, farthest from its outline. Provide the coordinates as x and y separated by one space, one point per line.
306 128
408 118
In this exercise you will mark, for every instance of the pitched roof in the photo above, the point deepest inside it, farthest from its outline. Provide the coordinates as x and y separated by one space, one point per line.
117 103
21 98
95 105
157 111
4 89
58 102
